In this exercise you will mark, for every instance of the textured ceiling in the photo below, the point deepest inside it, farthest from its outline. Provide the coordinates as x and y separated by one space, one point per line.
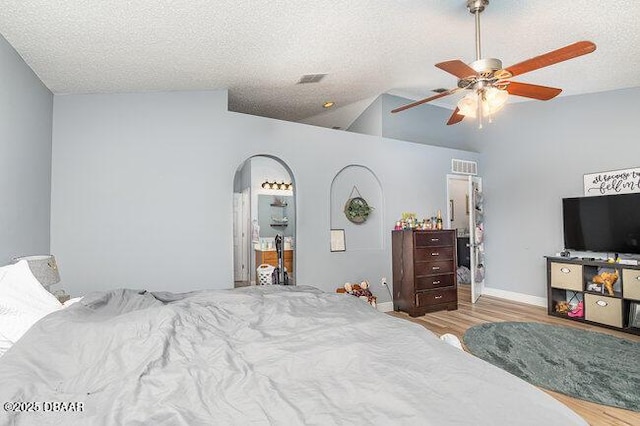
259 49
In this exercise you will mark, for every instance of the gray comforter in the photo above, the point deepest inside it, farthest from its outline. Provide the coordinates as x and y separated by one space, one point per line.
260 355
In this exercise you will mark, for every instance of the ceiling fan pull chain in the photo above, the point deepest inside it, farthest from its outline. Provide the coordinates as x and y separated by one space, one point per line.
480 102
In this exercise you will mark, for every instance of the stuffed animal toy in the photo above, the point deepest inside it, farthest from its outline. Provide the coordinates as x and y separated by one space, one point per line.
608 279
563 307
359 290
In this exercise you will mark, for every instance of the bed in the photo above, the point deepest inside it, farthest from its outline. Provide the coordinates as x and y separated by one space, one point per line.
256 355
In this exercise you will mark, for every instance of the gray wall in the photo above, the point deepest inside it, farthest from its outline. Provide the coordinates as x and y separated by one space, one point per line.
423 124
266 212
242 178
370 121
142 190
26 107
535 154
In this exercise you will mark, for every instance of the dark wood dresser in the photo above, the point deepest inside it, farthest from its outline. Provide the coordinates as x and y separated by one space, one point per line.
424 271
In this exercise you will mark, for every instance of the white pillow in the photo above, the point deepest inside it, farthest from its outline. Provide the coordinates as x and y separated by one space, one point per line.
23 301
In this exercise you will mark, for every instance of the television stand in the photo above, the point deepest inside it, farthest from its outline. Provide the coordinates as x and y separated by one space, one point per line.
570 280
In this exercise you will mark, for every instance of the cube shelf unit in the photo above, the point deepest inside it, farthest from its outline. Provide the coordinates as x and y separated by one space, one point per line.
568 280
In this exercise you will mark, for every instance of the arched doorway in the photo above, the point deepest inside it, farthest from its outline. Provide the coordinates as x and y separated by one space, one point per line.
263 207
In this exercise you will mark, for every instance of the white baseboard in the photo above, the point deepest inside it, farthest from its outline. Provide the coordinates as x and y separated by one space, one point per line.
488 291
385 306
516 297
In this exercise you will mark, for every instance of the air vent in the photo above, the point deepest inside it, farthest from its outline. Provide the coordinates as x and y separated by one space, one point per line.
311 78
464 167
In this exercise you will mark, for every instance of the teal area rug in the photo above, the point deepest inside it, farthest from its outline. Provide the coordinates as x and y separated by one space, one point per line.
584 364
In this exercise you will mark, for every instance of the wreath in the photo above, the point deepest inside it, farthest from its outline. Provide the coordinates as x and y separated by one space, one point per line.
356 209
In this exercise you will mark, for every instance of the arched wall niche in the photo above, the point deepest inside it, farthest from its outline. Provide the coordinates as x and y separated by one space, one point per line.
367 235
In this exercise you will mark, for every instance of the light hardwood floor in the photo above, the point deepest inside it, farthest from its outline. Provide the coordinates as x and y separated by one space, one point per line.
491 309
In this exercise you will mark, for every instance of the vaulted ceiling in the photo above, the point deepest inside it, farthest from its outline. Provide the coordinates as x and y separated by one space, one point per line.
260 49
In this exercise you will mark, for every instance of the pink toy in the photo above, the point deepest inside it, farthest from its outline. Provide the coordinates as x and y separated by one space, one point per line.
578 312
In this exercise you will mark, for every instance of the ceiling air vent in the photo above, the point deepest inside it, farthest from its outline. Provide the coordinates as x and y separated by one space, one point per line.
464 167
311 78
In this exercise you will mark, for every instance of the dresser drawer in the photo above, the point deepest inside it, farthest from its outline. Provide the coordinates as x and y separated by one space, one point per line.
603 310
430 254
567 276
631 284
435 297
434 281
433 238
433 268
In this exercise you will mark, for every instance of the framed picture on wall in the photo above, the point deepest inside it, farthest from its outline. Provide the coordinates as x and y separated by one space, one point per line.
337 240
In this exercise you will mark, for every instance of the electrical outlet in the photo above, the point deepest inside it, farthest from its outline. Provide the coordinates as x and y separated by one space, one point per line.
383 281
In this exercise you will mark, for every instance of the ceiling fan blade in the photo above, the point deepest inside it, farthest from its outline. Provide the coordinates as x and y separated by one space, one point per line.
542 93
457 68
455 117
564 53
425 100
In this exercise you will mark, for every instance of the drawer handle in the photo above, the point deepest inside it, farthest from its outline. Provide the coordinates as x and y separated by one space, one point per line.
601 303
565 270
438 297
435 268
436 282
435 254
435 239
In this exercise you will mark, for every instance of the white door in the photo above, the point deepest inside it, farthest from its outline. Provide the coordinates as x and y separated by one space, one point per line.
237 237
241 236
476 236
237 240
246 234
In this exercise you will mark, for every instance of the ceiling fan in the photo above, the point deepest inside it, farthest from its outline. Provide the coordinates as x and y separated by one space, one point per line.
488 84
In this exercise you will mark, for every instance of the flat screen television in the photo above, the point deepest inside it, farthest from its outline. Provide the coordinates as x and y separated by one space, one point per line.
608 223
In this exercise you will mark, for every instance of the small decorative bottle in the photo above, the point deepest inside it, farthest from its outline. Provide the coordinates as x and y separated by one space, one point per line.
439 220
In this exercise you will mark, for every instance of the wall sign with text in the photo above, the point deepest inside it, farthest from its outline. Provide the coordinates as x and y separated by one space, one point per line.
612 182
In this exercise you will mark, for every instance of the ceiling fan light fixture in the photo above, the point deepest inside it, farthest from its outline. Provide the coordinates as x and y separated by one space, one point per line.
468 105
493 100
